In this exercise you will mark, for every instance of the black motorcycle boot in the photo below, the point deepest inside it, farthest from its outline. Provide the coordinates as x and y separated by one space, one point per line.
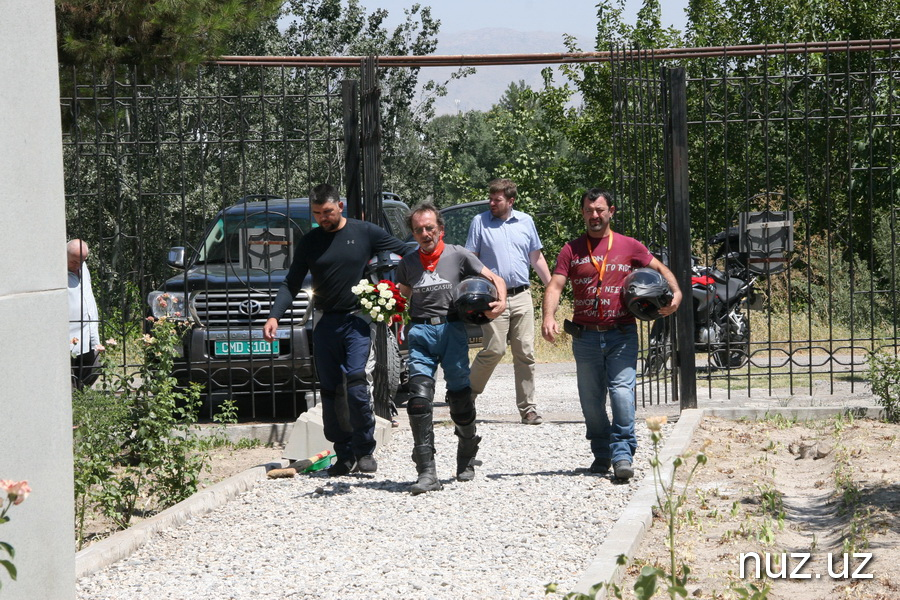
423 455
466 450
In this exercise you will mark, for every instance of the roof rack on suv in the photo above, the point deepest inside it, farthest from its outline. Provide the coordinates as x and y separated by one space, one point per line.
257 198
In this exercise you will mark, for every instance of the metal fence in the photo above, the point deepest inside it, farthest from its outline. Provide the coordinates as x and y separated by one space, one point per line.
802 136
149 166
708 141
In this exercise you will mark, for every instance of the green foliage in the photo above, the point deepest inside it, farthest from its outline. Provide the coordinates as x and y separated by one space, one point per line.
818 165
523 138
827 279
222 133
884 378
133 436
779 421
336 28
553 150
153 34
99 418
750 591
885 243
723 22
466 156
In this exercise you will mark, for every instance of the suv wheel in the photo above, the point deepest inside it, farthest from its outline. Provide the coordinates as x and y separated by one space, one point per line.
386 378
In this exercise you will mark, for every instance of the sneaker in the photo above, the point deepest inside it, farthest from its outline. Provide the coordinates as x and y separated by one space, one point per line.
532 418
623 469
366 464
600 466
341 467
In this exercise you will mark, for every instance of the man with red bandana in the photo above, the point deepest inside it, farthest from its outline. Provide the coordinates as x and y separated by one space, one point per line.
604 334
428 277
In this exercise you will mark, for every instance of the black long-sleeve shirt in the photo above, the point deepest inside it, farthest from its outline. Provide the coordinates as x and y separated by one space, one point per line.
337 261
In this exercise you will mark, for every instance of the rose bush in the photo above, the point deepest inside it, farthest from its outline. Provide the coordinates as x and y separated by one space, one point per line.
16 493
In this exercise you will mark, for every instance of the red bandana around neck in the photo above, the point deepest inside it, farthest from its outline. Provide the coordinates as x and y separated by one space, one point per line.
430 260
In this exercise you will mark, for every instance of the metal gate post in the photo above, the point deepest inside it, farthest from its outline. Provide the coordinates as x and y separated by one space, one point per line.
370 101
371 140
350 96
679 211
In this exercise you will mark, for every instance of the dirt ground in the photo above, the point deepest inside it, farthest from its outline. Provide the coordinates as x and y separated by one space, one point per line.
786 491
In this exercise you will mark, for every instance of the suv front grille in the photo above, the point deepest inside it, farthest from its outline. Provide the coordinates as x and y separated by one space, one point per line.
224 308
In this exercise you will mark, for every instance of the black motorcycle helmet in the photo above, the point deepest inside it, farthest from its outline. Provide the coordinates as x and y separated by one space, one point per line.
644 292
473 297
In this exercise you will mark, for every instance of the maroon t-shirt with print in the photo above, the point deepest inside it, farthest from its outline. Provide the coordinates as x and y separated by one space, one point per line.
574 263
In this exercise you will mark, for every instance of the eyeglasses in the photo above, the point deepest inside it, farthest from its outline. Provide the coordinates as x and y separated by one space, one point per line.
423 229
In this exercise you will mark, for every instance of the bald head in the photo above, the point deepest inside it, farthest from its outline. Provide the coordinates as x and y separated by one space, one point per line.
76 254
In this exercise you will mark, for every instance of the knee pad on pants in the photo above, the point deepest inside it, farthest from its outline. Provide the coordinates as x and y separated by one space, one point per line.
421 395
462 406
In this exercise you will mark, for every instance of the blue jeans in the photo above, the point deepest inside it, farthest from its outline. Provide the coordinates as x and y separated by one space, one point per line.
341 345
607 360
446 344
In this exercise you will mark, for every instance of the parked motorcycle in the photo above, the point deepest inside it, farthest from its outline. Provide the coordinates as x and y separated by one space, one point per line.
719 297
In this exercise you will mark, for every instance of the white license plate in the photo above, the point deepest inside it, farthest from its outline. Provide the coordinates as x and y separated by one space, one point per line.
246 347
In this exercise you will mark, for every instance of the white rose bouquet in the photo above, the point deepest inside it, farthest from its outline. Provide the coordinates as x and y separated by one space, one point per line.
382 301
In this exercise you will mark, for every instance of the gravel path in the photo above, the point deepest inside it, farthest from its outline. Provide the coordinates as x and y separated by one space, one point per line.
532 516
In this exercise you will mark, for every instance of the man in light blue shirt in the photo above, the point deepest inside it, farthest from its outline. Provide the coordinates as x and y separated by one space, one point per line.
507 242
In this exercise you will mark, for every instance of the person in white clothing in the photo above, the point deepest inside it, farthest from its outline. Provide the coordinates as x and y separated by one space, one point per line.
83 317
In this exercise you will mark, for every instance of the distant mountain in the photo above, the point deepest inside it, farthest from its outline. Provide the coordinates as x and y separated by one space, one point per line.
483 89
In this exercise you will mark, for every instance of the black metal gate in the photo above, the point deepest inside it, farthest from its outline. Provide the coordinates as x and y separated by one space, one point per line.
197 163
790 152
793 158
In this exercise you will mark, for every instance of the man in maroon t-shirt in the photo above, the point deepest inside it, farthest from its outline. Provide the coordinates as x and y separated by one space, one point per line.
604 335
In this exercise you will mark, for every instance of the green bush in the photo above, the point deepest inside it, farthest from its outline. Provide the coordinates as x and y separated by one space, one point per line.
825 279
884 378
133 438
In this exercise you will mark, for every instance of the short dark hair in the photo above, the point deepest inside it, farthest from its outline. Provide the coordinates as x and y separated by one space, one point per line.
323 194
425 206
594 193
504 186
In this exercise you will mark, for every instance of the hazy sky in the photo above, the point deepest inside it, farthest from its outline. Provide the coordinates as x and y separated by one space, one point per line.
577 17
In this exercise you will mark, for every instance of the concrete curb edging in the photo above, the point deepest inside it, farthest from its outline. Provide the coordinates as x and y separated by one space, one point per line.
626 535
121 544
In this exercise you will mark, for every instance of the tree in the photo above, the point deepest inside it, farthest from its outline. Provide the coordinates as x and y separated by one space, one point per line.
777 153
153 34
150 156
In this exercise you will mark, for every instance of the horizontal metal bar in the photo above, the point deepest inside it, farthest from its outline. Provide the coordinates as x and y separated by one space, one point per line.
465 60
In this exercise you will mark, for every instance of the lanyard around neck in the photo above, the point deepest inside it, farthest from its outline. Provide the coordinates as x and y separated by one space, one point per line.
601 269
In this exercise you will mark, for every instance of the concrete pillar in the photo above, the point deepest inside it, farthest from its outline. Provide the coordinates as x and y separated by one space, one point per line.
35 397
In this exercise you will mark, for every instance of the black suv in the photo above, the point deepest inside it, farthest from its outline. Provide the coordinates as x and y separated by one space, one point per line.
227 288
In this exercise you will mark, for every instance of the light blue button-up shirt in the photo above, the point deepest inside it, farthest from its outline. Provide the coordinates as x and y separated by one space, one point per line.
504 246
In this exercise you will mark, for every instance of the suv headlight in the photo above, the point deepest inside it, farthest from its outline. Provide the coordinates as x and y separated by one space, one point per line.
170 305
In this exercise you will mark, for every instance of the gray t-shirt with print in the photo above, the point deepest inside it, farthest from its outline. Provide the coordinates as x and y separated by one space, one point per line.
432 292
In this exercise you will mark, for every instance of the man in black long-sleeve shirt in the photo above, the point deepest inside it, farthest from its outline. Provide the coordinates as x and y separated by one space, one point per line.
336 253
